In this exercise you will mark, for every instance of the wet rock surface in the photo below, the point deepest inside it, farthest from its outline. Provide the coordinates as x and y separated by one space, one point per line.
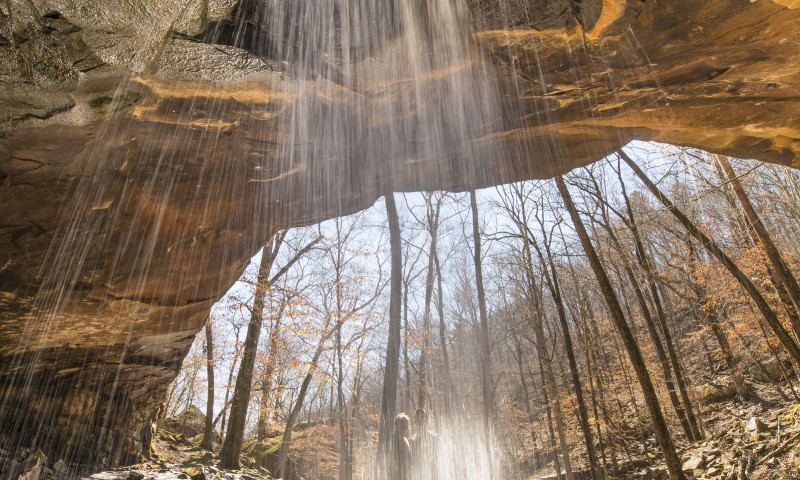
27 464
129 142
173 456
170 471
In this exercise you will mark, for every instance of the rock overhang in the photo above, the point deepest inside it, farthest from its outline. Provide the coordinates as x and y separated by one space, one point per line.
168 154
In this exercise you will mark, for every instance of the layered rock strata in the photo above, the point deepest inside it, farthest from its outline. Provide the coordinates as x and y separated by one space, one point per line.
144 161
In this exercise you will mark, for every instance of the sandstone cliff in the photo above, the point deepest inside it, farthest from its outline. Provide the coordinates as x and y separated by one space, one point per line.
144 160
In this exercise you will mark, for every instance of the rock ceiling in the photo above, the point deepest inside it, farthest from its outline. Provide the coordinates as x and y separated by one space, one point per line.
142 164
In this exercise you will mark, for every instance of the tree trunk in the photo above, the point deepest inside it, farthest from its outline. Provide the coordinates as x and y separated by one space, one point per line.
550 430
426 318
266 385
406 366
762 304
551 279
649 271
779 266
443 336
662 433
209 427
283 450
486 381
345 462
389 393
550 382
232 446
223 425
525 391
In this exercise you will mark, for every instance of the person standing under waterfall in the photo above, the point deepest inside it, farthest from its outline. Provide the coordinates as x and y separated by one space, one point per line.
424 448
400 461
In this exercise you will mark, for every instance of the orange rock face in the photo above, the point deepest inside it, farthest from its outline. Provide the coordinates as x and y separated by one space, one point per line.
136 188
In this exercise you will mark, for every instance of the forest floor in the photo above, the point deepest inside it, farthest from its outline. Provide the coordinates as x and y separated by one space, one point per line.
757 439
174 458
754 440
177 459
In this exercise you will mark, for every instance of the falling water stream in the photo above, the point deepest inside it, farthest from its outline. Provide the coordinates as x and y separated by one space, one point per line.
368 94
418 95
376 90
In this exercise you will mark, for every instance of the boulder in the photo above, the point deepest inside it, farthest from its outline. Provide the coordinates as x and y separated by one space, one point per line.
754 427
696 462
59 466
195 473
770 366
717 391
31 468
190 423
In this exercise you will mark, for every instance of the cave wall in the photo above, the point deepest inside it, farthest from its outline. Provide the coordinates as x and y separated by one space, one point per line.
142 164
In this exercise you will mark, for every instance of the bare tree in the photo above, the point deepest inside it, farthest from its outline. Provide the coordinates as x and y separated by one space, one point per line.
486 380
762 304
593 188
208 429
663 435
286 440
389 392
232 446
779 267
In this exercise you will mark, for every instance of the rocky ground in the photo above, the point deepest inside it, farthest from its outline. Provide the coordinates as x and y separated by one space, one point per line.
757 439
754 440
178 459
175 457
